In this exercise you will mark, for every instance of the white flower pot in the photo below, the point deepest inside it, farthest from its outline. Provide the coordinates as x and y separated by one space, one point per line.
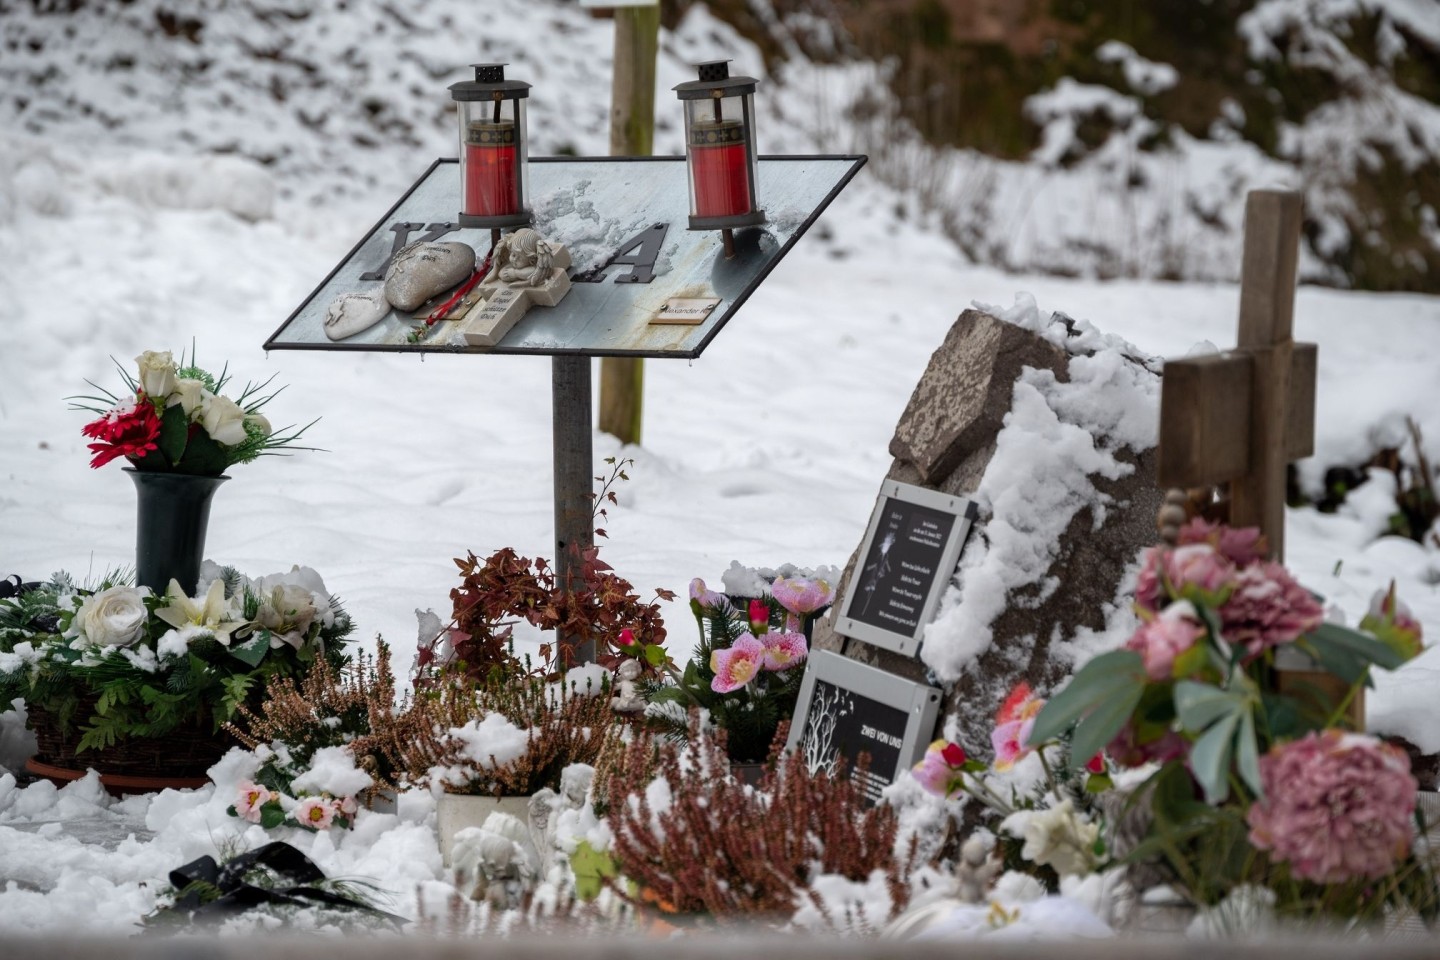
457 812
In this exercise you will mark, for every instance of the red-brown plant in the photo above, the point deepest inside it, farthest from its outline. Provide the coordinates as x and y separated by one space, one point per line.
733 851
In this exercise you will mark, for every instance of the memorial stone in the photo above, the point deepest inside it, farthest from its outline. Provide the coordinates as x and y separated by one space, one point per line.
944 441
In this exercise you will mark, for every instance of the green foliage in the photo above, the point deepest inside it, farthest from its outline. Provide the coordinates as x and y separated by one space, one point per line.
107 694
1098 702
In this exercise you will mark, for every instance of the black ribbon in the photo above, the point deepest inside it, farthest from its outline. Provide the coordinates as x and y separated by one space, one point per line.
236 895
12 586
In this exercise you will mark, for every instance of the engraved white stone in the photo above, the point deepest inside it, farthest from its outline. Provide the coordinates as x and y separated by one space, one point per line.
350 313
421 270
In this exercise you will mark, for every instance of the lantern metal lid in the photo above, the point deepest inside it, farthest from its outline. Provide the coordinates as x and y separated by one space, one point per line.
489 84
715 81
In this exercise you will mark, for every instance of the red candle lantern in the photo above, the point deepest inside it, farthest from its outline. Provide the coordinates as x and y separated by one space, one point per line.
720 148
494 182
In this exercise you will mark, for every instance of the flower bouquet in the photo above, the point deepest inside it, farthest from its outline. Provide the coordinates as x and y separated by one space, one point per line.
142 682
174 419
1249 784
747 668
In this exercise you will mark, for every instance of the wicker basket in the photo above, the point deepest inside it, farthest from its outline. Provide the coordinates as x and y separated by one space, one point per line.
185 752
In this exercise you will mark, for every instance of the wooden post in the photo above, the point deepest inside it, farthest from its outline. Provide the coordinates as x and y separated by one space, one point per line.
1242 416
1267 309
632 134
574 461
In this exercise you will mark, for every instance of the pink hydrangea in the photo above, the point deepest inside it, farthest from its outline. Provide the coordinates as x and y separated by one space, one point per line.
1267 608
1337 807
802 595
784 650
1165 638
1242 546
736 666
252 798
1194 571
939 771
317 813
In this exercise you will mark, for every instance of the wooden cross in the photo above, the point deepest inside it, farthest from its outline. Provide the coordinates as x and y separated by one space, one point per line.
1242 416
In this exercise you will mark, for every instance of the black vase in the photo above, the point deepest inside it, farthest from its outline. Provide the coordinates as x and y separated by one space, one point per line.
170 527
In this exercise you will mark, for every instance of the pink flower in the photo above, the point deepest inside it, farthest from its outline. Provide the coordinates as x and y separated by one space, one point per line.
348 806
737 666
252 798
1165 638
1337 806
1267 608
1198 571
707 599
801 595
317 813
939 771
784 650
1013 722
1241 546
626 638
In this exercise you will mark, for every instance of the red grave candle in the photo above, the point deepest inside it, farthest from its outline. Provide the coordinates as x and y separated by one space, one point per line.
721 167
490 171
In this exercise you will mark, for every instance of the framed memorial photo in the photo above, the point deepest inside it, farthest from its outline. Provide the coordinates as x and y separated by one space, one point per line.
847 708
906 559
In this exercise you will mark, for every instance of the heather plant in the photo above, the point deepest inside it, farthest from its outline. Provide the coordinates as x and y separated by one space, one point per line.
697 841
499 736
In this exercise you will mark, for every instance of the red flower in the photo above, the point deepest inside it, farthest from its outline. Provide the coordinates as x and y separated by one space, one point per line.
954 754
1096 764
123 432
626 638
759 616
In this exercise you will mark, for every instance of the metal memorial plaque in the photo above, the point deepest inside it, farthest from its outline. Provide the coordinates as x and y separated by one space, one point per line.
908 555
686 310
847 708
623 222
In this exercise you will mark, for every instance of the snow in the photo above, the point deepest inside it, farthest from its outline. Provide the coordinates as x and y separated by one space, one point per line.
141 225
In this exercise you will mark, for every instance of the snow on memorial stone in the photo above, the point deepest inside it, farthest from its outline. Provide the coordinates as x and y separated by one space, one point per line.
1050 427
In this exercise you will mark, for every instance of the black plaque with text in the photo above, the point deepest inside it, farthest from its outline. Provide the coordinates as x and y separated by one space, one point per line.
909 554
847 709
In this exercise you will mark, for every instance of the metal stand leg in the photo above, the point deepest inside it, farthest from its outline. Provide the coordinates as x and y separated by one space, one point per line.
574 459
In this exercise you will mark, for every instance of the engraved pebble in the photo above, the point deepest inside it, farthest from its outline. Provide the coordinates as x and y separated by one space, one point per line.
421 270
351 313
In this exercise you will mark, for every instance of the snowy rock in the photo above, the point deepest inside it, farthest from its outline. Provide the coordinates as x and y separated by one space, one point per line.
1050 427
421 270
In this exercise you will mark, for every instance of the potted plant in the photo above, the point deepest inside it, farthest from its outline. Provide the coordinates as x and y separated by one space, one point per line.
139 683
746 670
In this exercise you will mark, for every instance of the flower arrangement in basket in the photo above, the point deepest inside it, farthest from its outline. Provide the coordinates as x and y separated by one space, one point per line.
174 419
746 670
1242 785
142 682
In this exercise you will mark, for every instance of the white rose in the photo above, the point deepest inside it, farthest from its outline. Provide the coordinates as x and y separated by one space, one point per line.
224 420
157 374
111 618
190 394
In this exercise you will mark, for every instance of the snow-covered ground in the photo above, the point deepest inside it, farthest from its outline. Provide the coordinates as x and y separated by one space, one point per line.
768 449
